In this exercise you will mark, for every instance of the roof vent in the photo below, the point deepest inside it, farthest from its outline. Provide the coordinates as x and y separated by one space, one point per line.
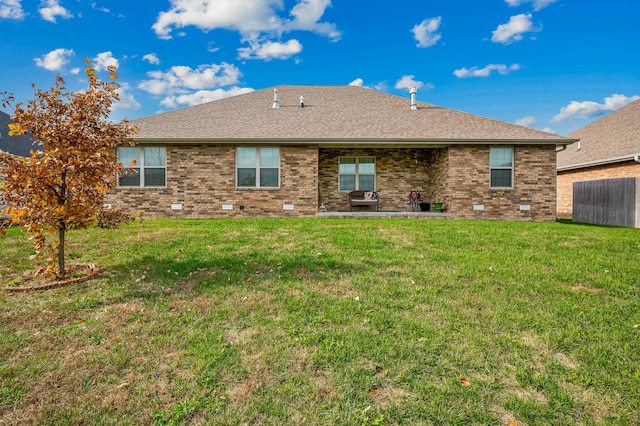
276 104
413 92
301 101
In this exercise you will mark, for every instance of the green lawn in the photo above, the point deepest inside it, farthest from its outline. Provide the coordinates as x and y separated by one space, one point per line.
329 322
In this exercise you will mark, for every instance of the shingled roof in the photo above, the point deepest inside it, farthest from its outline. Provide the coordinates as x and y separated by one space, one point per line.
331 114
613 138
16 145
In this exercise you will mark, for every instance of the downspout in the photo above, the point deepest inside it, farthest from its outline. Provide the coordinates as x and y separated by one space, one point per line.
562 149
636 158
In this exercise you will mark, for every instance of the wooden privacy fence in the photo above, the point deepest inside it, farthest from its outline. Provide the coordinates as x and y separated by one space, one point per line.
607 202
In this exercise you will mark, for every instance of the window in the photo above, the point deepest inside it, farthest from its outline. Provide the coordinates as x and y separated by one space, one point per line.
258 167
501 167
149 170
357 173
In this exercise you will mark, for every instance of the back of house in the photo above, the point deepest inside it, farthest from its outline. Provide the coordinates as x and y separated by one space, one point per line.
293 151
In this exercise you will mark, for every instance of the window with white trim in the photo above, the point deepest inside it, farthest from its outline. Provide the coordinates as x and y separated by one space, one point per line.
144 166
501 167
357 173
258 167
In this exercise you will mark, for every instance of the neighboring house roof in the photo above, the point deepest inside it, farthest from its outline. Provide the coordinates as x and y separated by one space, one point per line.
16 145
611 139
331 114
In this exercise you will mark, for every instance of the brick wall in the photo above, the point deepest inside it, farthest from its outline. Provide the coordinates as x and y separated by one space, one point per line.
202 178
534 185
609 171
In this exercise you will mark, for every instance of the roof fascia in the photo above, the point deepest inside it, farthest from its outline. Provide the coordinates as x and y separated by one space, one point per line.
357 141
613 160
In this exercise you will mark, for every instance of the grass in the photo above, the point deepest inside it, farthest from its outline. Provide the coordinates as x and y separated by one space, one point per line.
321 321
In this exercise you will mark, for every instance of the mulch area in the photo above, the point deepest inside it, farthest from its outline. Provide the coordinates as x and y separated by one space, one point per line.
32 282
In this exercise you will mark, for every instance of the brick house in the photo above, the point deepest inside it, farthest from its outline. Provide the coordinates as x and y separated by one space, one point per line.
607 148
16 145
289 151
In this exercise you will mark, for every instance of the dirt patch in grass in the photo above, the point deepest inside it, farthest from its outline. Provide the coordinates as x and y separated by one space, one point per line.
506 417
241 337
595 404
244 392
389 396
336 289
325 386
120 313
201 303
566 361
542 355
579 288
526 393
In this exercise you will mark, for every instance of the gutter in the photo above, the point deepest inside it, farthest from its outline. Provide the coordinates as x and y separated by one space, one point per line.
613 160
391 142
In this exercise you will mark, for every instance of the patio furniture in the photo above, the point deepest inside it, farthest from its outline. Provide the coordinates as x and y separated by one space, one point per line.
363 198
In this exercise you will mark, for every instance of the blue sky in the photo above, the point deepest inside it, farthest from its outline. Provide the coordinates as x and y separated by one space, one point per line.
553 65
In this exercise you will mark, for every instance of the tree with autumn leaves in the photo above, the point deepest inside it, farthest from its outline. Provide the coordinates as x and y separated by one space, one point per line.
63 184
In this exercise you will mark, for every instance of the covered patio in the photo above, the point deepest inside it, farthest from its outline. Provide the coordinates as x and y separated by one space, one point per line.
392 172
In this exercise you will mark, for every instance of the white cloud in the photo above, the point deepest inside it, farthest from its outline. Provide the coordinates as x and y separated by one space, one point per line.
185 85
537 4
357 82
104 60
127 100
513 30
525 121
550 130
486 71
381 87
51 9
75 71
95 6
425 32
587 109
270 50
152 58
307 14
11 9
248 17
408 81
54 60
202 96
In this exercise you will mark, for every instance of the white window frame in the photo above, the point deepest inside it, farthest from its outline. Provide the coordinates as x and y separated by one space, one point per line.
258 167
357 173
511 168
140 168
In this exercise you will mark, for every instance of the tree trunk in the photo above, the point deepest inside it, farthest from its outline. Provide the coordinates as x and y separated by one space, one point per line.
61 267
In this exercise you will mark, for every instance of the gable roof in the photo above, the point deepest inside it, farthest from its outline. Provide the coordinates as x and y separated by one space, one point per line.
331 114
16 145
613 138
